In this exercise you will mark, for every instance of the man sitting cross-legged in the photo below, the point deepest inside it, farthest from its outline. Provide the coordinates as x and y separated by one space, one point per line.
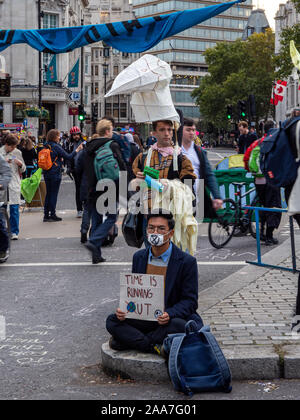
181 290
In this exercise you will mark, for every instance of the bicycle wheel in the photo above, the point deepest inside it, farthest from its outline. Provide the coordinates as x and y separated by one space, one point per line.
221 230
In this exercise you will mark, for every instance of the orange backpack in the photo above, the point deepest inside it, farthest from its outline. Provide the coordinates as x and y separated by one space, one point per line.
44 159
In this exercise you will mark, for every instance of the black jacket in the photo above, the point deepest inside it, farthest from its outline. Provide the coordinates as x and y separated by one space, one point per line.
81 174
91 149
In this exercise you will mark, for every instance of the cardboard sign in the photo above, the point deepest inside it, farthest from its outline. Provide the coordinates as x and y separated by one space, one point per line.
142 296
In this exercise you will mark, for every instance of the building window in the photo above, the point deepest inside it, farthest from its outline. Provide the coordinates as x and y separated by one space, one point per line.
86 64
86 95
123 110
18 108
50 21
1 112
116 70
96 70
96 92
108 110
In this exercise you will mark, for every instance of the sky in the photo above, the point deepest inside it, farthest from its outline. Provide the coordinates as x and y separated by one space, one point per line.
271 7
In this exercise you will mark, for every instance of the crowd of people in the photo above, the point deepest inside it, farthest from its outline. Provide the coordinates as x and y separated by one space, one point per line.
107 154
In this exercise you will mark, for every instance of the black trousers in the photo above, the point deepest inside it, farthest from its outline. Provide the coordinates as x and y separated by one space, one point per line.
269 197
141 335
52 186
77 191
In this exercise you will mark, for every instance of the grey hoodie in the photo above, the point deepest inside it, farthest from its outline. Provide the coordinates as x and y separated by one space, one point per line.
5 174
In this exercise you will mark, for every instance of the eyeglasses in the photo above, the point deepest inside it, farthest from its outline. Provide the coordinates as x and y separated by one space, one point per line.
159 229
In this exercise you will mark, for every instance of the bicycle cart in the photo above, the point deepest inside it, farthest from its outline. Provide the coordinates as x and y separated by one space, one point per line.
237 186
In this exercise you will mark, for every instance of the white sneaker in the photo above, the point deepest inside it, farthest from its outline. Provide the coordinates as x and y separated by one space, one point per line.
14 237
79 214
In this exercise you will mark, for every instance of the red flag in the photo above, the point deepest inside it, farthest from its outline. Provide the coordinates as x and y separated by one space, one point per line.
278 92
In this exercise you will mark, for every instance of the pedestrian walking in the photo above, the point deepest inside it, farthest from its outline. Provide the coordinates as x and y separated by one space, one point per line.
81 173
246 138
30 157
100 229
75 140
14 158
53 175
201 165
5 178
269 196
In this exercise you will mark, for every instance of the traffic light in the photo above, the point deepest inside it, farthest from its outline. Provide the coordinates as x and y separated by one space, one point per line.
81 113
229 112
242 107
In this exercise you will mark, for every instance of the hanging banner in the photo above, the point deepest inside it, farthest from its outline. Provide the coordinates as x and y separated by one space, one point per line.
52 72
73 77
130 36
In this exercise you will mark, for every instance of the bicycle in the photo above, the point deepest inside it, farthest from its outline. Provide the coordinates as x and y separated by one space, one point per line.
232 217
4 221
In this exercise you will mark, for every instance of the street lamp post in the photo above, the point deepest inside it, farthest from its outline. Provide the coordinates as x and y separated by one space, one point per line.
105 73
82 79
40 16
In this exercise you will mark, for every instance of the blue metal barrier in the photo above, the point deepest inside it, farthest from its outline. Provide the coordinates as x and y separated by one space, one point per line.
259 259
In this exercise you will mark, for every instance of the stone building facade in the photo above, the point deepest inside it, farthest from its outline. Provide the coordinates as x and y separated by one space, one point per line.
22 62
287 16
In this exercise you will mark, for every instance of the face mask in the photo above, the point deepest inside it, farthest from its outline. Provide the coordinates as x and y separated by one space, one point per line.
157 239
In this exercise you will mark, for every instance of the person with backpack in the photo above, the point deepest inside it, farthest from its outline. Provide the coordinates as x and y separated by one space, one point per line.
103 161
269 195
181 290
50 159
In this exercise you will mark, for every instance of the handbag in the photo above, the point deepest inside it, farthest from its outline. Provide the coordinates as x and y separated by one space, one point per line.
132 229
196 362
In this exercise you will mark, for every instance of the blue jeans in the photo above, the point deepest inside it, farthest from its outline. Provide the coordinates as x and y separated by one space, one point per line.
14 218
100 229
52 185
4 241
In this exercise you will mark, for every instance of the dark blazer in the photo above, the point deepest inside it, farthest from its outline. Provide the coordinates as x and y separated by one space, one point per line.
181 288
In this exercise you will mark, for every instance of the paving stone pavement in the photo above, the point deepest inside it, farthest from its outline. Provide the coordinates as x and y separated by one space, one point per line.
260 313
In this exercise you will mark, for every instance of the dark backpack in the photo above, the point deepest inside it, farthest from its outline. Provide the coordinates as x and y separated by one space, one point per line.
124 146
277 162
196 362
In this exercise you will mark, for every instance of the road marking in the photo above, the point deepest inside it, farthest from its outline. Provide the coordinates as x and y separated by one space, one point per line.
107 264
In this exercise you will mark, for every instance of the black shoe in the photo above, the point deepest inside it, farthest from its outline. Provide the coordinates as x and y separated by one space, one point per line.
116 345
271 242
46 219
55 218
83 238
96 256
